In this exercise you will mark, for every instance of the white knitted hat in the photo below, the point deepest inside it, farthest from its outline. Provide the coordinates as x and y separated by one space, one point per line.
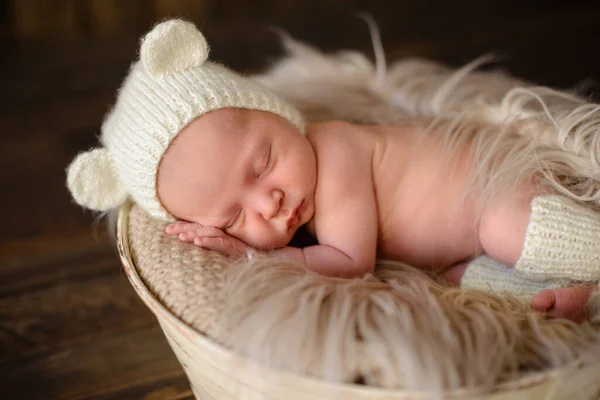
165 90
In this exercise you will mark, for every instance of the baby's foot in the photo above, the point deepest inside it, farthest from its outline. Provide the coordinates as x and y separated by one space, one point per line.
566 302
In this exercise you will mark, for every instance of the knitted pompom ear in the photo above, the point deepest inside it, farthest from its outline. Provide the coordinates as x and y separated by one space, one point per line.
93 181
172 46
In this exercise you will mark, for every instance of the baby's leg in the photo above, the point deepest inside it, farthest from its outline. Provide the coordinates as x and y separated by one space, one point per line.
503 231
548 236
486 274
503 224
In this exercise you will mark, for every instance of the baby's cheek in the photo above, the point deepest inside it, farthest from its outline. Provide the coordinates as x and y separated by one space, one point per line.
262 234
250 237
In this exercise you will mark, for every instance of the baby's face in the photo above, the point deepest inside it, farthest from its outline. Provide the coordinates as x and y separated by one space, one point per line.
250 173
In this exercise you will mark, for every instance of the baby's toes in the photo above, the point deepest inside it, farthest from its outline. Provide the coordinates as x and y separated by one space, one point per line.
543 301
563 303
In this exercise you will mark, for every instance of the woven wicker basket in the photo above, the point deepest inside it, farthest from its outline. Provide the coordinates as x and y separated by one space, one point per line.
217 373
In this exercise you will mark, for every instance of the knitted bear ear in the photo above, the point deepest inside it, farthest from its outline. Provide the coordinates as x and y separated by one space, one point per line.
94 182
172 46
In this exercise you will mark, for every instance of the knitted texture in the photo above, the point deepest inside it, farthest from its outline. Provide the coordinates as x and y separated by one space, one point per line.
185 278
485 273
93 180
562 241
171 85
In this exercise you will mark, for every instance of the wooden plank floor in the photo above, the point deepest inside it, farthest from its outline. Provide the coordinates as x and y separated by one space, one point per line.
70 325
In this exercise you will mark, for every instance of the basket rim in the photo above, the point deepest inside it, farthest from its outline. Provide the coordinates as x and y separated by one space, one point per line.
160 311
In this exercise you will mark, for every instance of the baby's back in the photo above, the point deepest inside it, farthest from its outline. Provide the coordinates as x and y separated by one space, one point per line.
423 217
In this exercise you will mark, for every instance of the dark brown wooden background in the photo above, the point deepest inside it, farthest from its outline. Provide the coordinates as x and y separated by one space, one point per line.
70 325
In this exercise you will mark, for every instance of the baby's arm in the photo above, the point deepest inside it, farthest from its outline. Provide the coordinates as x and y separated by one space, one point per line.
327 260
323 259
347 242
345 221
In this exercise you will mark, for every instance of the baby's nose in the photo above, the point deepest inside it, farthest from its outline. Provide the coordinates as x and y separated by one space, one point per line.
271 203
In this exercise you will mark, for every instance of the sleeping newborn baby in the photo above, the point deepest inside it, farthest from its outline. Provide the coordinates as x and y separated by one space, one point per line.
191 141
239 178
249 178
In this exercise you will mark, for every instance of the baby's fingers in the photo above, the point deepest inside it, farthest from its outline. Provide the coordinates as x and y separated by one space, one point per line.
225 245
180 227
188 236
184 226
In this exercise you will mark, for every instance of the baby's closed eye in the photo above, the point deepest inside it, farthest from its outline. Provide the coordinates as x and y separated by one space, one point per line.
265 163
234 220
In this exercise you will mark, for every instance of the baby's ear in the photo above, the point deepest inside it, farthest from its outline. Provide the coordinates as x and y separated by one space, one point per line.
172 46
94 182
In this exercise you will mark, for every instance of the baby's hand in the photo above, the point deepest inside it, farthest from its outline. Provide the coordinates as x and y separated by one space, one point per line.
207 237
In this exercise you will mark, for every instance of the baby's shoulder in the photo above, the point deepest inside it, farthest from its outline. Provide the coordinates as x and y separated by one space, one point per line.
344 158
341 140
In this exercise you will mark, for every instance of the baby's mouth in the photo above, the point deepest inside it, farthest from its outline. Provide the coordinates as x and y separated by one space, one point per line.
295 216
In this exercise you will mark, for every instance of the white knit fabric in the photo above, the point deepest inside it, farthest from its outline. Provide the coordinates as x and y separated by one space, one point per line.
562 241
485 273
169 86
93 180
